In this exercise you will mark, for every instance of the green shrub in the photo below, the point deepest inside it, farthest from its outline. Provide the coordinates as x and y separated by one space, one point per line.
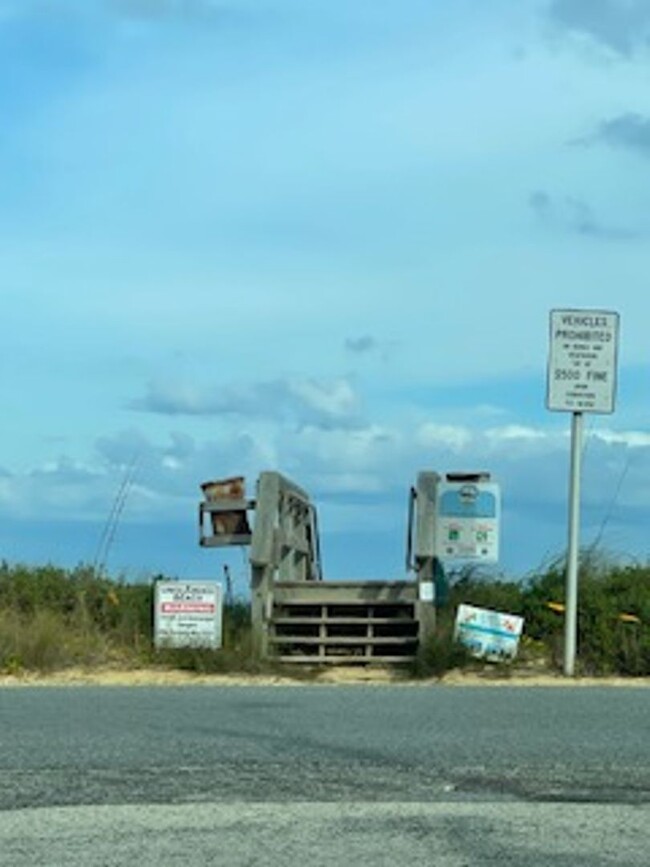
484 593
606 644
45 641
51 618
440 653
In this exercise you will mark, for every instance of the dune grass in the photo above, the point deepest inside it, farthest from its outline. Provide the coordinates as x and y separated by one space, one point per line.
53 618
613 617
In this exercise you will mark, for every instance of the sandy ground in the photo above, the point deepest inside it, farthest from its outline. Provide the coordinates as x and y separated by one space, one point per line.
335 675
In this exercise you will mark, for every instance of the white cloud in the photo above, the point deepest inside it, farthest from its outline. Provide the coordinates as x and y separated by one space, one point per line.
230 203
348 483
449 436
371 452
632 439
323 403
358 479
330 402
515 432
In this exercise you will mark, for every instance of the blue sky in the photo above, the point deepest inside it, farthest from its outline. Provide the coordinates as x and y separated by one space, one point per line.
318 237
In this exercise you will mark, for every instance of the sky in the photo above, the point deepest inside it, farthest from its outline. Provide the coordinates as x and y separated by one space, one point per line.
322 238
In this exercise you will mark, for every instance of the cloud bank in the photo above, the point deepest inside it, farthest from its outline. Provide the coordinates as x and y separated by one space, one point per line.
622 26
575 216
357 478
326 404
629 131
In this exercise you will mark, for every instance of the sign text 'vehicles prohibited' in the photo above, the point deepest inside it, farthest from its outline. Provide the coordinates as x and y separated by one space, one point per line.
582 361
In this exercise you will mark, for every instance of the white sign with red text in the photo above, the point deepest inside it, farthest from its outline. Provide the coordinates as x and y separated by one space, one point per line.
188 614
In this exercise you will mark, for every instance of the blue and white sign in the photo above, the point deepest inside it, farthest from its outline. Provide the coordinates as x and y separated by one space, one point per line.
467 520
488 634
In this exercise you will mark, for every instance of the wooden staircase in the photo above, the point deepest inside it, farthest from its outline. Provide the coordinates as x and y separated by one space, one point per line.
346 623
297 617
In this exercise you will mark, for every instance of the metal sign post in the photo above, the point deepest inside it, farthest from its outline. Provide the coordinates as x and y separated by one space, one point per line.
573 553
581 378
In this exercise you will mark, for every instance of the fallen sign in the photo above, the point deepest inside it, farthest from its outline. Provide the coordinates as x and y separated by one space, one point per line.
491 635
188 614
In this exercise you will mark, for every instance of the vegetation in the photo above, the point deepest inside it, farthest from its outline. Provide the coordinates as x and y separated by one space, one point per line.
613 618
52 618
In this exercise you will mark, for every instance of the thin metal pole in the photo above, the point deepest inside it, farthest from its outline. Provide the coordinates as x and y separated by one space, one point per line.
571 610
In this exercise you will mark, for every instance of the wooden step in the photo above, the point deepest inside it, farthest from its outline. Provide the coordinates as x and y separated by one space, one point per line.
315 601
342 640
345 660
342 621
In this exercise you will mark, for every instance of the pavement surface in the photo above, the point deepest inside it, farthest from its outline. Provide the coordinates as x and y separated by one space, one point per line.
371 774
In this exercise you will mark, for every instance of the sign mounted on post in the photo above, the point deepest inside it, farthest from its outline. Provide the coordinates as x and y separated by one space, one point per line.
187 614
581 378
582 361
467 518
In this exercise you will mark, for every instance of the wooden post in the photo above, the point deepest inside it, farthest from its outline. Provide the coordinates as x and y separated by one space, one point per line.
424 552
263 560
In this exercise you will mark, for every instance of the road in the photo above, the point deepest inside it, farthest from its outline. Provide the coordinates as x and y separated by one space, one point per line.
372 774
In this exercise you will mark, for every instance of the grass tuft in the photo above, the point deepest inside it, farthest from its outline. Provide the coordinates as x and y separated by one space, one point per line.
52 618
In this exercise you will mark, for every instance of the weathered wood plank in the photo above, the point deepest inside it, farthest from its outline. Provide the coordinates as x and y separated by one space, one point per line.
345 660
342 640
224 541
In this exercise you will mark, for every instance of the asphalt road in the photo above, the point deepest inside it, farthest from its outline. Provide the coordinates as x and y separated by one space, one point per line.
370 774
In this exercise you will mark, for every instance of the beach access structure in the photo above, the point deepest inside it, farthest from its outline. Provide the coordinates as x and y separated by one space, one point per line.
297 616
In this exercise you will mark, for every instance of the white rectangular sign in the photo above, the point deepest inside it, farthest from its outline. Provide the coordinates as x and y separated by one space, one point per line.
582 361
467 521
188 614
487 634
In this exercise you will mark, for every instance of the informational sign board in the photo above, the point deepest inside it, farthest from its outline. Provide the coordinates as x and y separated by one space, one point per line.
582 361
490 635
467 520
188 614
